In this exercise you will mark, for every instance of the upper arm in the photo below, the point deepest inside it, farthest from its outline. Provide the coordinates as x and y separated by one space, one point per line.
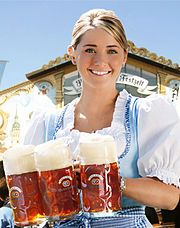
158 139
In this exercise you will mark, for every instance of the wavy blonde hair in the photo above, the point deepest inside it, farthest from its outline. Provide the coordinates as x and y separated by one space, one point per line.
99 18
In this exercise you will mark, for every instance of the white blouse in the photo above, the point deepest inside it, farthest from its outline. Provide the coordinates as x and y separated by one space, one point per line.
158 135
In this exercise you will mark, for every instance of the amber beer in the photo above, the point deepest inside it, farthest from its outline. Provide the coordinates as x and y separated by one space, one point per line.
57 181
22 181
99 174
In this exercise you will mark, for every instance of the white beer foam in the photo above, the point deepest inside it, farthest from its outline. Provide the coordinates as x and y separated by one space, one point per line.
52 155
97 149
19 159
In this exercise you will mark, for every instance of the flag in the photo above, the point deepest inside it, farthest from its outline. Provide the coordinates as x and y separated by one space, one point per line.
2 67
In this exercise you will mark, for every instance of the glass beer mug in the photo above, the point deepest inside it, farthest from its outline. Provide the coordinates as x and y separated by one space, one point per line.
100 182
57 181
22 181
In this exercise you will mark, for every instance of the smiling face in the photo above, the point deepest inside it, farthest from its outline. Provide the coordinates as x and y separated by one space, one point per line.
99 58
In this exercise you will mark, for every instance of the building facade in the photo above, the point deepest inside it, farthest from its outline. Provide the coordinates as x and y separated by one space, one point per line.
58 83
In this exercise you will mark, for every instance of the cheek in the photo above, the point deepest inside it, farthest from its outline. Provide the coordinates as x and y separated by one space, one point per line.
81 64
117 63
83 61
79 58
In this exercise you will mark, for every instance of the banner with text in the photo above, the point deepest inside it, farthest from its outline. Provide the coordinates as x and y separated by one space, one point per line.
123 78
136 81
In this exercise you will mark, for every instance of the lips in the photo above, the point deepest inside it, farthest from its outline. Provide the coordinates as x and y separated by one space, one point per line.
99 73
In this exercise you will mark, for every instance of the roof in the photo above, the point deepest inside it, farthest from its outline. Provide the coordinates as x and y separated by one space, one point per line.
150 55
141 52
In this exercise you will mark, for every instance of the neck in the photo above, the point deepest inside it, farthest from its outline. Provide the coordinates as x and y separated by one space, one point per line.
97 101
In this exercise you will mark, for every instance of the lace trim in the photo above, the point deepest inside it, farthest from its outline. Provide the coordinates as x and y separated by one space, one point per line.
118 115
69 116
117 128
127 128
60 121
167 177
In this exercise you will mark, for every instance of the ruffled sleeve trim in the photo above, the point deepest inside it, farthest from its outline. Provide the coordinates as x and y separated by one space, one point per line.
166 176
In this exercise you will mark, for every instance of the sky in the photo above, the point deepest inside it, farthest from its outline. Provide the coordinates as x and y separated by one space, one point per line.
33 32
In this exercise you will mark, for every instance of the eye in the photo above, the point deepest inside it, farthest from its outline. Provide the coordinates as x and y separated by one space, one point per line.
111 51
90 50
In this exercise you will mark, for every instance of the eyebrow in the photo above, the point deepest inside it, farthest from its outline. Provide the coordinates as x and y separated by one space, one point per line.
94 45
91 45
111 46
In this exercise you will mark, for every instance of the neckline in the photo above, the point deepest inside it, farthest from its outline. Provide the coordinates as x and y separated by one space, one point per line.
118 113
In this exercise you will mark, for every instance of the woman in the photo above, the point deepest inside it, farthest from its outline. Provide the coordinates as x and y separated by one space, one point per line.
145 129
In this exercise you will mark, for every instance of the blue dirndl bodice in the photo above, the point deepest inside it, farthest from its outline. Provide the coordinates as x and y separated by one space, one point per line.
132 213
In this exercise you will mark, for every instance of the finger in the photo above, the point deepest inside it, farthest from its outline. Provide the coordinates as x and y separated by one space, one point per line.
76 164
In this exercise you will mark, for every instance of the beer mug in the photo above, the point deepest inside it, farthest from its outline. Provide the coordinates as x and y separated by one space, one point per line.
100 182
22 181
57 180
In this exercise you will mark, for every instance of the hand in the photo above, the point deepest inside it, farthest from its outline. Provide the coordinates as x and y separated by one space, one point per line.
77 172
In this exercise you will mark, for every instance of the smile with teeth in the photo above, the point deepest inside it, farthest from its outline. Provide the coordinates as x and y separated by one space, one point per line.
100 72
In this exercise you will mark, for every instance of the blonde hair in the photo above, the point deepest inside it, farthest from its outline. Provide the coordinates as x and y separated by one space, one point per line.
99 18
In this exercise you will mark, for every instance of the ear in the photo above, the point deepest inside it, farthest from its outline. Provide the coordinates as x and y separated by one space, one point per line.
125 57
71 54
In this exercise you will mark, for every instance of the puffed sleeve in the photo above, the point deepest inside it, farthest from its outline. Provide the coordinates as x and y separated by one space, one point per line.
42 126
159 139
35 131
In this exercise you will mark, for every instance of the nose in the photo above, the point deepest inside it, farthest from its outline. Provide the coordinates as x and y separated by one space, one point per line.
100 59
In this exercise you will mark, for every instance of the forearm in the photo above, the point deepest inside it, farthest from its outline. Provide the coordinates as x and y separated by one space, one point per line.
152 192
